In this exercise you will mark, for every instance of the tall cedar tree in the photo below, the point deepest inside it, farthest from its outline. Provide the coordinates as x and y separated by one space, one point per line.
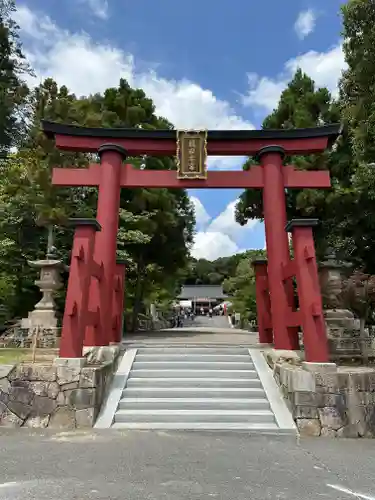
303 105
357 87
13 90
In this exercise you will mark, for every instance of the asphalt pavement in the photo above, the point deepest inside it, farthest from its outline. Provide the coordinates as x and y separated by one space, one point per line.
151 465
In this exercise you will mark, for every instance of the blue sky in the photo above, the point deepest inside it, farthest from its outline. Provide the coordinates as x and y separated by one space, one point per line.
218 64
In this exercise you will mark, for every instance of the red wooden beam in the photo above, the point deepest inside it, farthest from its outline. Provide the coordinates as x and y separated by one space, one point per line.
76 176
167 147
139 142
306 178
133 178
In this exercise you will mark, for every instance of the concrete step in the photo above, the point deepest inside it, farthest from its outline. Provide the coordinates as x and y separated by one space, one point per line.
193 403
182 373
183 365
188 344
194 357
251 416
192 382
265 428
196 388
161 351
150 391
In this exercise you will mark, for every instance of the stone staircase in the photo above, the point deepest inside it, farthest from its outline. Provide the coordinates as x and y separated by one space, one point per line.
197 388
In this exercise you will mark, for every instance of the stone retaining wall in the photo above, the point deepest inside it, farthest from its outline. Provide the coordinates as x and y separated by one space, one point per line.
332 403
56 396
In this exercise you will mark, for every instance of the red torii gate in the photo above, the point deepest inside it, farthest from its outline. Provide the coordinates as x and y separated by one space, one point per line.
91 316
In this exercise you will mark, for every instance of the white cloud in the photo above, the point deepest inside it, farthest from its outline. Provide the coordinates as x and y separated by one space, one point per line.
99 8
212 245
218 237
35 27
305 23
86 66
201 215
324 68
263 91
226 223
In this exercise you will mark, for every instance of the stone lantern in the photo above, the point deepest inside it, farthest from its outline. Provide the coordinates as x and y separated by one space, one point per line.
342 327
43 318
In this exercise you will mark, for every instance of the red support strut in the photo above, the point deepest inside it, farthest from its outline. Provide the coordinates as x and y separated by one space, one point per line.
274 208
111 157
76 315
118 302
309 295
263 301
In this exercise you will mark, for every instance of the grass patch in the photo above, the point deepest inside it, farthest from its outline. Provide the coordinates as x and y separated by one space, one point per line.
10 356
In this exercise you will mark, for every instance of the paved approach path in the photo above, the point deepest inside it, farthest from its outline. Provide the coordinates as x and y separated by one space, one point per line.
214 322
202 330
151 465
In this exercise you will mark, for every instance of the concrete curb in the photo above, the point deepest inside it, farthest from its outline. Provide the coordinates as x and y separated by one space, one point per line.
108 410
282 414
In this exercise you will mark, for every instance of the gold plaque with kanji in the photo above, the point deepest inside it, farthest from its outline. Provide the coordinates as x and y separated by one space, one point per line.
192 154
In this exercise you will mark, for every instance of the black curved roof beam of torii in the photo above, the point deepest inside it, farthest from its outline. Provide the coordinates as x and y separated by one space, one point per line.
139 142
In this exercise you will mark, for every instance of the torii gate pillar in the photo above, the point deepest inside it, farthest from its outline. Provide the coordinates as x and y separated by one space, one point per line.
275 219
111 156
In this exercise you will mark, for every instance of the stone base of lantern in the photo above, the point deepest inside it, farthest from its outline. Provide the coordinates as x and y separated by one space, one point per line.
343 333
48 338
45 318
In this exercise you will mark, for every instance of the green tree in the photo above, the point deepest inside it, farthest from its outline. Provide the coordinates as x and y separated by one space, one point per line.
13 90
28 201
241 285
303 105
156 226
357 86
357 93
155 236
203 271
